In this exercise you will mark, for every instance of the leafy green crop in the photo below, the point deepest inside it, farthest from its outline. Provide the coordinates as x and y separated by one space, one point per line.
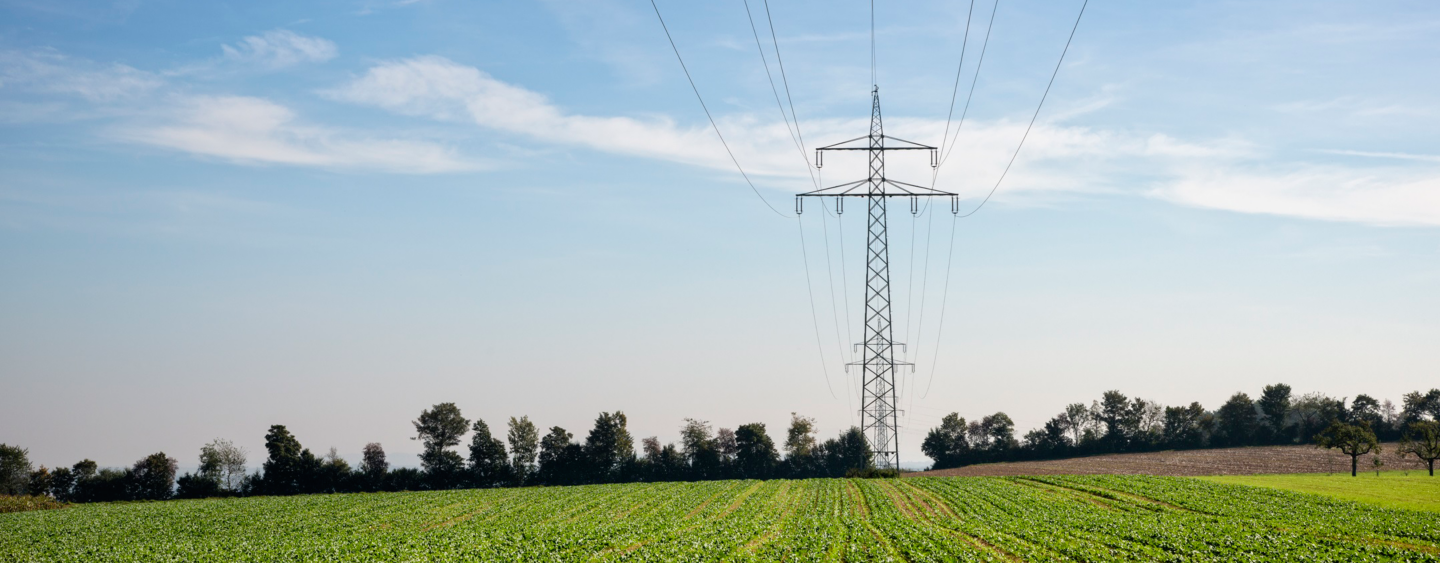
1092 518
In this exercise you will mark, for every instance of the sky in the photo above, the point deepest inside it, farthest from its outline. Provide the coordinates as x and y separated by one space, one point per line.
215 217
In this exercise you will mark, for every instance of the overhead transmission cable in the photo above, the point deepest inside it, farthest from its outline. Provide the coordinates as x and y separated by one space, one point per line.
805 255
794 137
707 112
1036 115
1046 94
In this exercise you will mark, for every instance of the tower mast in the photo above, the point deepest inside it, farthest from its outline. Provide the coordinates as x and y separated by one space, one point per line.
879 415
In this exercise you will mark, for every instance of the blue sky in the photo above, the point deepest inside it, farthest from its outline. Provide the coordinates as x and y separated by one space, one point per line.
216 217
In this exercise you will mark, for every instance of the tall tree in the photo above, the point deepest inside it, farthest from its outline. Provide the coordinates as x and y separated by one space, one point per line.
727 448
1077 421
489 465
224 463
1116 414
755 455
287 467
947 445
524 446
153 477
698 443
40 482
849 454
609 447
1238 420
1354 440
14 469
800 437
440 428
372 460
1275 405
1184 426
1422 439
560 459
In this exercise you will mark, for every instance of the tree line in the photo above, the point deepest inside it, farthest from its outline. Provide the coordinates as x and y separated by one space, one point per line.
521 457
1118 424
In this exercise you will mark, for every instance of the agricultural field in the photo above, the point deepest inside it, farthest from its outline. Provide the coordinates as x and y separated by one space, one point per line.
1414 490
1047 518
1219 461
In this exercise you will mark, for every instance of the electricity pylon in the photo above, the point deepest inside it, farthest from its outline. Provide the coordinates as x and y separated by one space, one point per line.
879 418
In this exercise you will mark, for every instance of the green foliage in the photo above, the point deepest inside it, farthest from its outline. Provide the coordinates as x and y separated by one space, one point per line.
755 455
524 447
153 477
609 448
947 443
14 469
1354 440
1422 440
1055 518
489 466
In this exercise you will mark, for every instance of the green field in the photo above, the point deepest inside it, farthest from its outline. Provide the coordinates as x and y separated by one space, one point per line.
1089 518
1393 489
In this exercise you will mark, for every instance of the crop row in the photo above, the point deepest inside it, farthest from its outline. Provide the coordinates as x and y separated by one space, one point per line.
1092 518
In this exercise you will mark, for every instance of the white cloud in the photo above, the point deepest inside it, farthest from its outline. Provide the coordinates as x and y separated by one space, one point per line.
53 73
280 48
257 131
1378 197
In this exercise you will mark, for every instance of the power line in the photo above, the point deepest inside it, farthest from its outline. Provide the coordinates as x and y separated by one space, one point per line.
784 80
707 112
954 90
935 359
805 256
766 62
1036 115
945 152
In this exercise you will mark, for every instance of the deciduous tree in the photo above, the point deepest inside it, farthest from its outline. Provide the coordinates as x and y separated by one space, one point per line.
489 466
524 446
947 445
755 454
153 477
440 428
608 447
1354 440
1422 439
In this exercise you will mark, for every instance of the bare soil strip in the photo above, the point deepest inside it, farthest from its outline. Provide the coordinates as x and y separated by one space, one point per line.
1187 463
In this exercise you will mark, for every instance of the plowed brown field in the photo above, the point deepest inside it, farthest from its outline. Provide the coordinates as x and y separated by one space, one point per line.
1228 461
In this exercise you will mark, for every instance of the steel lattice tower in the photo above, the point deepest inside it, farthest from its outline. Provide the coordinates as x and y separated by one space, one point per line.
879 414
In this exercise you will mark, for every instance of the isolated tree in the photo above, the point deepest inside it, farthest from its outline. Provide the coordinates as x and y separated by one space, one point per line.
755 455
524 446
440 428
608 447
1274 405
14 469
153 477
1354 440
947 445
489 465
1422 439
1238 420
223 462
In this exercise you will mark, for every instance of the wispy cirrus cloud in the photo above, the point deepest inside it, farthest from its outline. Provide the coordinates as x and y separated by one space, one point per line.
48 72
257 131
280 48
